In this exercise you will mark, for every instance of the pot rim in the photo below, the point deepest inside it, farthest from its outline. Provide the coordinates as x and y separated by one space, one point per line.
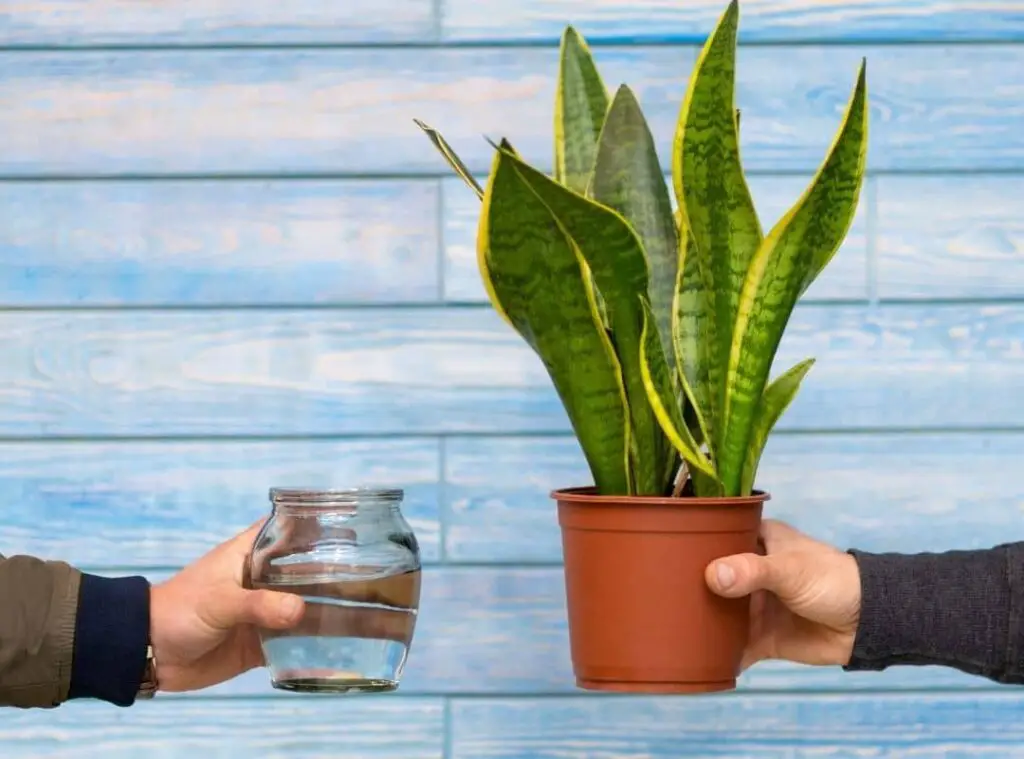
585 495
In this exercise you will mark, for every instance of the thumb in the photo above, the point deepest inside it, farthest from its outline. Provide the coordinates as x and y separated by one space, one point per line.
743 574
269 609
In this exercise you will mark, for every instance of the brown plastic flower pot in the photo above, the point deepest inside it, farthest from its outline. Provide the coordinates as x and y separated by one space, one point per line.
641 617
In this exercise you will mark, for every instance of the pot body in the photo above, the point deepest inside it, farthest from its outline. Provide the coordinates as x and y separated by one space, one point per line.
641 617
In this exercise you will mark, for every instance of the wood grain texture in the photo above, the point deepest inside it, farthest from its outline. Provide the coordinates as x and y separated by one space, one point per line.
886 492
498 630
487 631
950 237
374 371
351 111
845 278
760 20
125 22
954 726
295 726
433 371
147 504
218 243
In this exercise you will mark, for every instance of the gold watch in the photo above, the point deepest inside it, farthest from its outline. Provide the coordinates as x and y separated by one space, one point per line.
149 684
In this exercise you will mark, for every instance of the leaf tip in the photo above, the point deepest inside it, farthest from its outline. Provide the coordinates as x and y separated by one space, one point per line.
730 16
504 147
624 94
572 40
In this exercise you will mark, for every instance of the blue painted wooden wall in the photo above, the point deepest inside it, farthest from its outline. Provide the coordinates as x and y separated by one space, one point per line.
229 260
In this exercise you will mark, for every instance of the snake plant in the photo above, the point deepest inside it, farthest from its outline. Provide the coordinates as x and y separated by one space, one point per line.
658 326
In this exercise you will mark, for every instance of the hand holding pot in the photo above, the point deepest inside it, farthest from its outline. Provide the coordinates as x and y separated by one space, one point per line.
805 602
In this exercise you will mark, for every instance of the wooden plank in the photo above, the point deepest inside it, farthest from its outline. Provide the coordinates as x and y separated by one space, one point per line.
455 370
350 111
279 372
497 630
844 279
503 630
882 492
950 236
760 20
292 726
952 725
116 22
156 504
217 243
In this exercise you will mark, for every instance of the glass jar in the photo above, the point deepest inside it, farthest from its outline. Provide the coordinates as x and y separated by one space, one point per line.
355 560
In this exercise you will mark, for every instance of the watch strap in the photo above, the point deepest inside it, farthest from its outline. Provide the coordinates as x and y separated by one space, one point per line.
149 685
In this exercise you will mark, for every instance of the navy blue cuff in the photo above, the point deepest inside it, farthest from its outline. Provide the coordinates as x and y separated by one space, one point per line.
111 636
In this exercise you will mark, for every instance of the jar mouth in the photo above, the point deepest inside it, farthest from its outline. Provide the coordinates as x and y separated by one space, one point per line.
334 496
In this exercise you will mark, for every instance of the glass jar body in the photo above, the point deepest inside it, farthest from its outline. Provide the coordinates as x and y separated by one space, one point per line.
353 558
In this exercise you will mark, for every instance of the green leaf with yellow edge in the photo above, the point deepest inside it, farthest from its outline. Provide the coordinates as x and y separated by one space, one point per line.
449 155
536 279
629 178
618 264
657 381
693 329
715 201
581 101
789 259
776 399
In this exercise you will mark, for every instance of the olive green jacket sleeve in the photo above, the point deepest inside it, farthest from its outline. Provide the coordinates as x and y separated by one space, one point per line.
38 608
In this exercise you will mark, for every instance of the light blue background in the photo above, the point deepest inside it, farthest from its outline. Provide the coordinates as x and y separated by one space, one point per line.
229 260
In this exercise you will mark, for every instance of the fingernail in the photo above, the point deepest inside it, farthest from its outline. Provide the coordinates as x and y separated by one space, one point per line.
290 607
726 575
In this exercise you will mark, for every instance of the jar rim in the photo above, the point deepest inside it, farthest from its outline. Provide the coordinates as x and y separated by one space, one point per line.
333 496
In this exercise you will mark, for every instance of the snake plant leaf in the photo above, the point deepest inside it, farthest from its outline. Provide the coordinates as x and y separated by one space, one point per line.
628 177
693 330
617 261
792 254
449 155
661 395
535 275
581 102
776 399
713 195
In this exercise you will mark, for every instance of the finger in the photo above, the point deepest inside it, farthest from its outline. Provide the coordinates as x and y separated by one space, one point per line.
263 608
775 535
756 651
278 541
252 655
742 574
393 624
758 643
243 541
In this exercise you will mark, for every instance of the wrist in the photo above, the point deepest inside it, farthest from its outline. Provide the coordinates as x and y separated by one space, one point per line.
852 612
157 635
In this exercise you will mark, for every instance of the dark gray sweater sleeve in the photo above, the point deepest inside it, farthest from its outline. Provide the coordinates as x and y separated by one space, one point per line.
960 609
